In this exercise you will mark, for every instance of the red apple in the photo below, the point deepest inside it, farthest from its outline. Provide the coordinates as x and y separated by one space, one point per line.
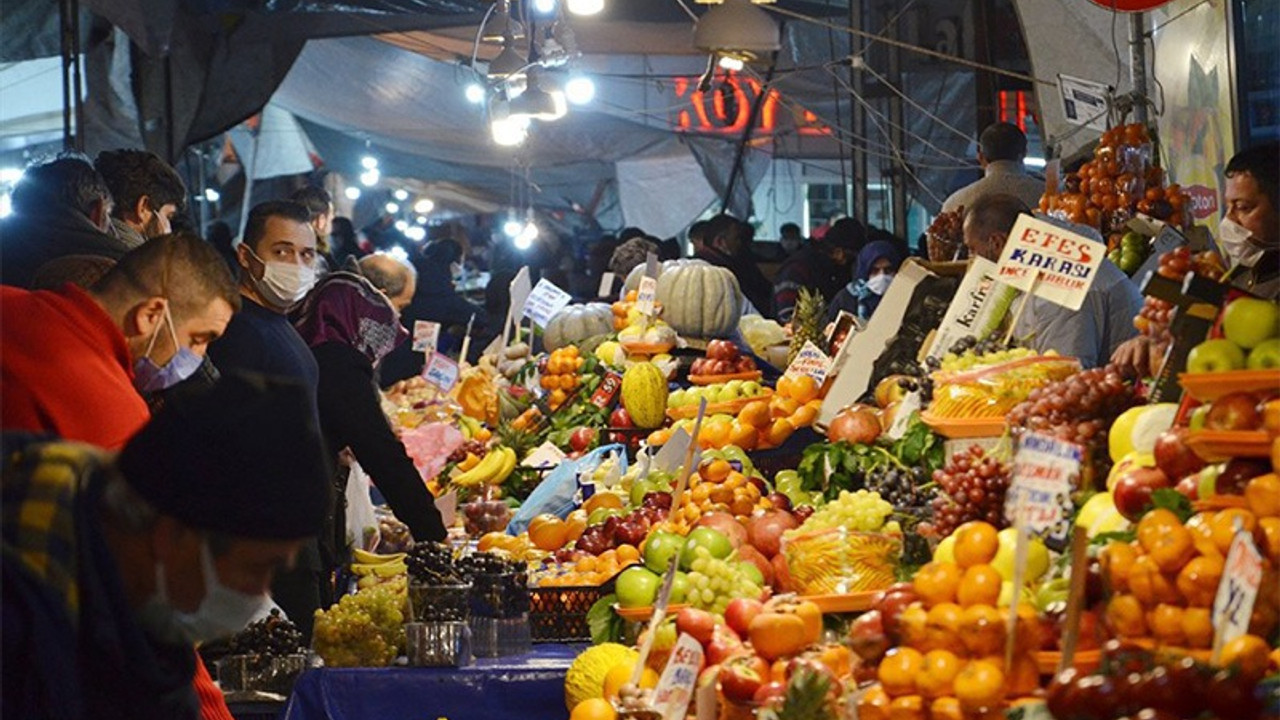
1134 488
741 676
1173 456
724 644
868 638
1234 411
892 602
782 574
726 524
750 554
1189 486
740 612
620 418
699 624
1237 474
780 501
770 695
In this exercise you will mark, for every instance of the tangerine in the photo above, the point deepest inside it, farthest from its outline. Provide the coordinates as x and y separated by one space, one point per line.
1150 586
807 413
716 470
602 500
783 406
779 431
1165 539
1165 624
1249 653
1197 627
898 670
593 709
874 704
628 554
548 532
979 586
1116 560
743 435
979 686
1124 616
755 414
937 582
786 385
976 544
1198 580
715 431
938 673
982 629
945 708
804 389
1223 525
942 627
907 707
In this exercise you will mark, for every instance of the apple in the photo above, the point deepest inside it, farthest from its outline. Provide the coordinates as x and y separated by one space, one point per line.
740 612
770 696
725 524
1238 472
749 554
1134 489
741 676
698 624
781 574
600 516
1266 356
582 439
660 548
641 488
1173 457
1234 411
780 501
637 587
714 541
679 588
620 418
751 388
1249 321
725 643
1189 486
867 636
631 532
891 603
1271 416
889 390
1207 480
1197 418
1219 355
659 500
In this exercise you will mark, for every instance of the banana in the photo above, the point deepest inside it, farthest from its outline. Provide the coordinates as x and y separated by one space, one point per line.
480 474
508 465
379 569
369 558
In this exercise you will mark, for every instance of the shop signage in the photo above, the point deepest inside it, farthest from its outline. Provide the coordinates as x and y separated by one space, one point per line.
1045 471
544 302
1050 262
810 361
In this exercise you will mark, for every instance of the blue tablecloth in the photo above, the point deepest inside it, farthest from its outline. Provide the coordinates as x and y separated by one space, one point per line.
530 687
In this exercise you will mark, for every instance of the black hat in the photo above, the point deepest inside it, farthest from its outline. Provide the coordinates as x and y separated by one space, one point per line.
846 233
244 458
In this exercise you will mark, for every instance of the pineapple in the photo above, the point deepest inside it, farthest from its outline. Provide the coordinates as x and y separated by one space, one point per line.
808 697
806 322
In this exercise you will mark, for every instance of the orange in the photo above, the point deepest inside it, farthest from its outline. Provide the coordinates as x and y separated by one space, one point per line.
1270 545
807 413
783 406
575 524
715 431
1197 627
979 586
874 704
628 554
1223 525
548 532
1163 536
1150 586
979 686
1248 652
907 707
491 540
602 500
976 544
620 675
1124 616
1116 560
898 670
804 389
938 673
911 624
1202 533
937 582
1023 678
743 435
1198 580
1165 625
593 709
755 414
779 431
786 386
982 628
942 627
946 708
660 437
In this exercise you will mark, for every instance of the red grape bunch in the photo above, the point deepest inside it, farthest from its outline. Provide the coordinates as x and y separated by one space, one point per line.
972 487
945 236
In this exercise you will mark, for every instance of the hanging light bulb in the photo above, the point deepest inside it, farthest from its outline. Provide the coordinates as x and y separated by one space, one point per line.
546 7
739 29
369 178
511 131
512 227
392 208
369 162
502 26
401 194
423 206
211 195
352 192
729 62
527 235
401 225
475 93
580 90
584 7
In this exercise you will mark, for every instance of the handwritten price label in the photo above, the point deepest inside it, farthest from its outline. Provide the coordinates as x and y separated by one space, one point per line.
675 688
810 361
1045 470
426 335
1238 589
441 372
647 295
544 302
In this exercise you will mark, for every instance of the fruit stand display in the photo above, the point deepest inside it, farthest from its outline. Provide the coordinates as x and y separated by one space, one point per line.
678 509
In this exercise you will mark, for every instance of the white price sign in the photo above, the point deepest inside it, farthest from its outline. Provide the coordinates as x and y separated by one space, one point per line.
545 301
1238 589
810 361
1045 470
675 688
1049 261
606 285
441 372
426 335
647 295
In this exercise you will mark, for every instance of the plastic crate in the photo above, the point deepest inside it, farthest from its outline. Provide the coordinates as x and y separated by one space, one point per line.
559 614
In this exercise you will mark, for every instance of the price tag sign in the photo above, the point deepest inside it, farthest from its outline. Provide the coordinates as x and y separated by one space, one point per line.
810 361
425 335
908 407
647 295
1238 590
1045 470
675 687
441 372
544 302
1050 261
606 285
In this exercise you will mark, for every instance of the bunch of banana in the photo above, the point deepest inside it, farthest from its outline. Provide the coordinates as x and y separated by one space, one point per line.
374 569
472 429
492 470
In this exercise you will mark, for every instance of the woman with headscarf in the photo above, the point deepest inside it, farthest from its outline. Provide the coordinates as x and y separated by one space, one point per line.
877 263
350 325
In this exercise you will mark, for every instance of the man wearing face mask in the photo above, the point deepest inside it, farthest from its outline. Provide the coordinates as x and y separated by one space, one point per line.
114 566
1249 234
147 193
75 361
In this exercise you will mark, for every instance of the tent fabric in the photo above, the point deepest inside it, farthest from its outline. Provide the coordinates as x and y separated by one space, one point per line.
662 190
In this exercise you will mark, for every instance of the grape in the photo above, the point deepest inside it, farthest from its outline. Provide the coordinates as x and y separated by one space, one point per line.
860 510
717 582
361 630
273 635
1078 409
972 487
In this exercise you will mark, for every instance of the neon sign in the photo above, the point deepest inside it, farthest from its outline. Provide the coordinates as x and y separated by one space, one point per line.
725 109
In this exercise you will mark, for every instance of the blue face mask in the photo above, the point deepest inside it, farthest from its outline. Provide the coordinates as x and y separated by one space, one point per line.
149 377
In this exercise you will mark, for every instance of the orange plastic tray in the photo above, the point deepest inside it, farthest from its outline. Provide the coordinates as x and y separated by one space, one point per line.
847 603
646 348
713 379
1207 387
731 408
1219 445
961 428
1085 660
640 614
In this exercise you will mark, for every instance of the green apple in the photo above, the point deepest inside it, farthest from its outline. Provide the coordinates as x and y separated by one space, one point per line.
679 587
1219 355
735 386
1037 556
725 394
1265 356
637 587
1248 321
599 515
751 388
640 488
704 537
677 398
1198 416
659 548
1207 486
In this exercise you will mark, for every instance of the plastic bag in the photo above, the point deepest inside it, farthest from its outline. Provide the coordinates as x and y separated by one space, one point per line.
362 521
558 494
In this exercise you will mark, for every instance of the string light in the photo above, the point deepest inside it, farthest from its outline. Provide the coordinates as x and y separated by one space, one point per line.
580 90
424 206
369 162
352 192
401 195
392 208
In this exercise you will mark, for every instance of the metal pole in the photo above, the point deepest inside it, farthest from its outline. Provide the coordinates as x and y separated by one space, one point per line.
1138 65
898 138
752 119
856 45
200 190
67 42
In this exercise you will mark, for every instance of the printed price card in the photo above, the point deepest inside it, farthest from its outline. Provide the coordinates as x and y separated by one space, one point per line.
675 688
810 361
1050 261
425 335
544 302
441 372
1045 470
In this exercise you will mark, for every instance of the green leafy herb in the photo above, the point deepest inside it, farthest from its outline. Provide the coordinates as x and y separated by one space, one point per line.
1124 536
604 623
1173 501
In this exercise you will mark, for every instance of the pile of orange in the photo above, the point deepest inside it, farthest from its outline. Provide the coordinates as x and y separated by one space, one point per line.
561 374
518 547
951 662
592 569
716 487
621 310
549 532
1164 583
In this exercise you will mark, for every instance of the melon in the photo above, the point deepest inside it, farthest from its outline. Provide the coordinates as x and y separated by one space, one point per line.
644 395
576 323
585 679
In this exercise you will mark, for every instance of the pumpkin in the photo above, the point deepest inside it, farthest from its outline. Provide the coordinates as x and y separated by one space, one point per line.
576 323
644 395
698 299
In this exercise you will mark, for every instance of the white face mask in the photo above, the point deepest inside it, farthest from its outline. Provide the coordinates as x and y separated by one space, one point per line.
222 612
284 284
1233 238
880 283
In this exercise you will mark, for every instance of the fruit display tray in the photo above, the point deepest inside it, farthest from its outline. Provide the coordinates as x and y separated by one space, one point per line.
1084 660
647 348
964 428
1220 445
844 603
642 614
1209 386
730 408
713 379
